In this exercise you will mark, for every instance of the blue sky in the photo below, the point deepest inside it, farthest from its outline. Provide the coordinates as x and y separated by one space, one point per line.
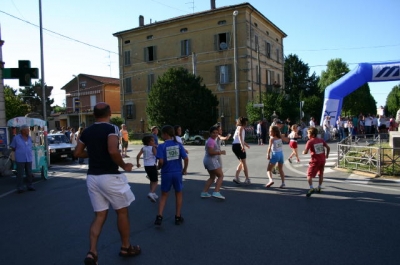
354 30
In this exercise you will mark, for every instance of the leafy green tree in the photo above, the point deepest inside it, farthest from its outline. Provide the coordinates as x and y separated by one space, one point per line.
14 104
299 85
58 109
117 121
336 68
178 97
34 99
393 101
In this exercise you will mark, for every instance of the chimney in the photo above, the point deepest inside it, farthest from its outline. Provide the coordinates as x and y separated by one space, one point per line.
212 4
141 21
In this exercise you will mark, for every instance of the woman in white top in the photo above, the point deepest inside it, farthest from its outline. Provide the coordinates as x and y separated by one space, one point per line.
238 148
178 132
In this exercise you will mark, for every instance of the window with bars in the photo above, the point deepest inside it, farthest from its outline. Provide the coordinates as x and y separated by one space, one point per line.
223 74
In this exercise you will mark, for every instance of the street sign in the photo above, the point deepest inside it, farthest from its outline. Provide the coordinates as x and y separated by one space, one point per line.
258 105
24 73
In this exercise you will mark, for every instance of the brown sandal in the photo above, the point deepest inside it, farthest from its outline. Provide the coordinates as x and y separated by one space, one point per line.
131 251
91 260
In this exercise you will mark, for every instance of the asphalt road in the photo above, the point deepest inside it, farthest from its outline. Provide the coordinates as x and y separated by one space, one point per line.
354 221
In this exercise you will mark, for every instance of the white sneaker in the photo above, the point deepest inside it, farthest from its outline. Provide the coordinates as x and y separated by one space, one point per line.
152 197
247 181
282 186
155 196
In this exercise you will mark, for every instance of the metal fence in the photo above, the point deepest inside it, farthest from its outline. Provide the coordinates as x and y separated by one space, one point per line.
369 153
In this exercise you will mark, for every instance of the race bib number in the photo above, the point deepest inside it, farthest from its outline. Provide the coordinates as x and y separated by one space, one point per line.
172 152
319 148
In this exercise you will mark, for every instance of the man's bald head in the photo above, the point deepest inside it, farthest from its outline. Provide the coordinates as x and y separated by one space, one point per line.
101 110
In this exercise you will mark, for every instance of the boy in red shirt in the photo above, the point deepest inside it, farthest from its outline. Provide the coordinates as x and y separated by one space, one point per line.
317 148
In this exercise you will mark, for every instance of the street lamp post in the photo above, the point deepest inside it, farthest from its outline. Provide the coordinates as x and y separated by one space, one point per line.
79 100
222 121
235 13
142 124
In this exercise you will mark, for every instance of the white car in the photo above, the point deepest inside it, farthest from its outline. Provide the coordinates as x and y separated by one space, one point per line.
59 146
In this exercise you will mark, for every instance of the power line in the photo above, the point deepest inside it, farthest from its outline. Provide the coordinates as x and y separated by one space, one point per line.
69 38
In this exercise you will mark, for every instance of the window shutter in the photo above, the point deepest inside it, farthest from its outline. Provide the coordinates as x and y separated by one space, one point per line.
145 53
154 53
230 73
189 42
217 74
228 39
216 46
182 47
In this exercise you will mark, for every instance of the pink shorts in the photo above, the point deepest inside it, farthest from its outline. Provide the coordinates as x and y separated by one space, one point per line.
315 168
293 144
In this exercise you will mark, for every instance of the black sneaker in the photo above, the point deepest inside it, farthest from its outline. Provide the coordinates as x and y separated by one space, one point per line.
158 220
178 220
318 190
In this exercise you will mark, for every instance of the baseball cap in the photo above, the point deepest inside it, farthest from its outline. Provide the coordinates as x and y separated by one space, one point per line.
153 127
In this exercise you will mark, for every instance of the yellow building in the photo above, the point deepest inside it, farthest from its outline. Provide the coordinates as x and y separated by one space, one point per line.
206 43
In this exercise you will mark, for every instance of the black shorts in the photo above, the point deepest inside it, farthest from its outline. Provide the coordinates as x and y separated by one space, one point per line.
237 150
152 173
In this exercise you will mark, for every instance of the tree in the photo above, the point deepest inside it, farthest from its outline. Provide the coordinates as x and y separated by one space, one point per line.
14 104
34 99
359 100
299 86
178 97
393 101
118 121
58 109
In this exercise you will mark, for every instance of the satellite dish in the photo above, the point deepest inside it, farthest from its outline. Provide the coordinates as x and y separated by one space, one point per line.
223 46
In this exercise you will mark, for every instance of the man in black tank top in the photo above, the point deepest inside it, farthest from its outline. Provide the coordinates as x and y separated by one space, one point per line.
106 185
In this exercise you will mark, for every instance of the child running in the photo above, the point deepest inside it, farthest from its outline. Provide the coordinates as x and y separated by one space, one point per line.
149 152
170 155
275 145
293 136
211 162
318 159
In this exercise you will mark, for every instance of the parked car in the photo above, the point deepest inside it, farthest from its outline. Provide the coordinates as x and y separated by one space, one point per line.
59 146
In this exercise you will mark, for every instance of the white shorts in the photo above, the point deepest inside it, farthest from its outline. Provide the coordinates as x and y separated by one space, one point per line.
109 189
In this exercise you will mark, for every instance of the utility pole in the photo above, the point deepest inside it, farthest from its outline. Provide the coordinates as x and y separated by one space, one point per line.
259 79
2 100
42 67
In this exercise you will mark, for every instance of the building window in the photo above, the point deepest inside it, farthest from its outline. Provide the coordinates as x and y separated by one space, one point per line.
128 85
82 85
183 30
150 81
150 37
127 58
221 41
277 55
257 74
77 104
127 41
278 78
223 74
150 54
130 111
270 77
92 101
268 49
185 48
222 22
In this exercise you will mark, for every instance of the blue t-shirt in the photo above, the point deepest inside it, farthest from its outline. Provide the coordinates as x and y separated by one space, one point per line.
155 139
23 149
95 137
171 153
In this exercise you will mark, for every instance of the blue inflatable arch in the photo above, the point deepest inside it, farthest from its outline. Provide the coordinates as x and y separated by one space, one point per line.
363 73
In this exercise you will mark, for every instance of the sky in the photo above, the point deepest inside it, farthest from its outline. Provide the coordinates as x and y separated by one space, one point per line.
77 34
